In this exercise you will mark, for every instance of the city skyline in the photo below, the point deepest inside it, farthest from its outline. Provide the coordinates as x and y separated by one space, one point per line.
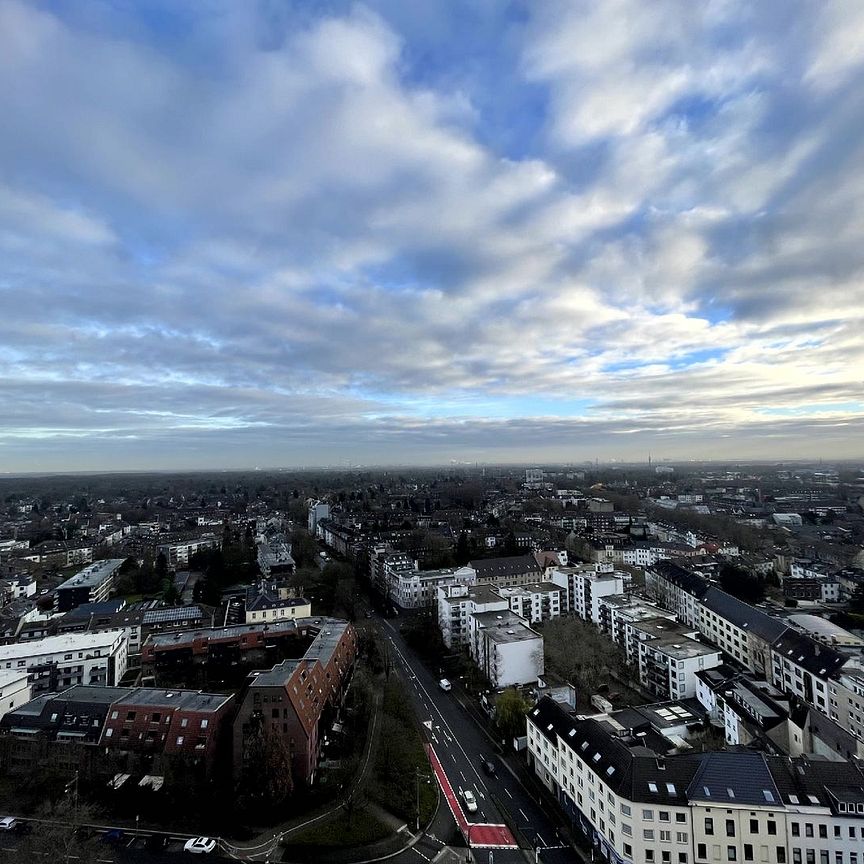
237 235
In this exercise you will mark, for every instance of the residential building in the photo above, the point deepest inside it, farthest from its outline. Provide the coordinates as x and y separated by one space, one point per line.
317 511
505 648
58 662
177 554
536 602
91 585
264 604
510 570
290 699
586 585
171 722
15 689
457 603
640 806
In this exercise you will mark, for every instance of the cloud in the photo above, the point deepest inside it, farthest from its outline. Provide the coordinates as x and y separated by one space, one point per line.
235 230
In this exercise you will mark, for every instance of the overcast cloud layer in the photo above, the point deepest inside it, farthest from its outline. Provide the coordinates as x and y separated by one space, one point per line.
237 235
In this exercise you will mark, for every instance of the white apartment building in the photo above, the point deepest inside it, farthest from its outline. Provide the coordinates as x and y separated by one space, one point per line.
91 585
15 689
536 603
505 648
637 807
619 610
586 585
178 554
457 603
317 511
62 661
668 658
410 588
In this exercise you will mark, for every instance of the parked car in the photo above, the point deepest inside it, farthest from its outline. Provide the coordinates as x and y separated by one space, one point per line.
470 801
445 685
200 845
488 766
9 823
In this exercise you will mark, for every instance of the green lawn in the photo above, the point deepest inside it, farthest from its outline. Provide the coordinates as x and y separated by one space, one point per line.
361 827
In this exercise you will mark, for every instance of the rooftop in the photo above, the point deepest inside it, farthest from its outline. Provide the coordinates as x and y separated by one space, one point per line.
93 574
66 642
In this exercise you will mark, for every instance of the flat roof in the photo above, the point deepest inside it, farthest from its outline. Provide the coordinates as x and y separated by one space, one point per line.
93 574
65 642
188 700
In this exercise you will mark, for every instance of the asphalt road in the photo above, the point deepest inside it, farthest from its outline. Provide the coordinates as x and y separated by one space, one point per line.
461 744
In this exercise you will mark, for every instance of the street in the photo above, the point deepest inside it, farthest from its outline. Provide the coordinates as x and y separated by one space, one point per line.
461 744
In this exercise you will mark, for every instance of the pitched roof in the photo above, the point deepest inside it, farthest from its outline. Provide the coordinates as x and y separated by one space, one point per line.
810 655
743 615
734 778
513 565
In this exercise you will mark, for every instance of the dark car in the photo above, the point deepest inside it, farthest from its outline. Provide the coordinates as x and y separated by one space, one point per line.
488 766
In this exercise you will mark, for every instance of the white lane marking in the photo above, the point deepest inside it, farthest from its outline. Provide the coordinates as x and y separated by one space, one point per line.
508 792
542 841
444 722
522 813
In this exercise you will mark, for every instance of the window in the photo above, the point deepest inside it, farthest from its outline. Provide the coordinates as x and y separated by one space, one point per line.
781 854
130 715
682 858
204 724
649 855
109 733
681 836
667 856
664 815
796 829
156 718
625 809
701 850
184 722
626 830
754 826
772 827
179 740
709 826
666 836
837 831
113 715
648 815
851 832
680 817
808 829
628 850
647 834
730 827
823 831
731 853
748 851
811 856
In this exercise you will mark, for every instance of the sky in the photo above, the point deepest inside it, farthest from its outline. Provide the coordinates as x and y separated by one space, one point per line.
331 233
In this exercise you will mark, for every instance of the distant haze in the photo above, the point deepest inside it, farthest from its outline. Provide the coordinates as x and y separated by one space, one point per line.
239 234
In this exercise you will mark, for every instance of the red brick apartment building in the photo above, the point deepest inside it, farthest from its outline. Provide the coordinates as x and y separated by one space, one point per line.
174 722
289 700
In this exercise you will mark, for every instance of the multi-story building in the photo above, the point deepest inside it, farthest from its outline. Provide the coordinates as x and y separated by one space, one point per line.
15 689
178 554
586 585
91 585
638 806
317 511
410 588
536 602
619 610
58 662
456 605
264 604
173 722
507 571
669 658
275 559
290 699
505 648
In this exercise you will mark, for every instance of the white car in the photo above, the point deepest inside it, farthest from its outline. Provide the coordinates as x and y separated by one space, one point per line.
200 845
470 801
8 823
445 685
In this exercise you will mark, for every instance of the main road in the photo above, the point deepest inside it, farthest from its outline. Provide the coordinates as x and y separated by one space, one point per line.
460 746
